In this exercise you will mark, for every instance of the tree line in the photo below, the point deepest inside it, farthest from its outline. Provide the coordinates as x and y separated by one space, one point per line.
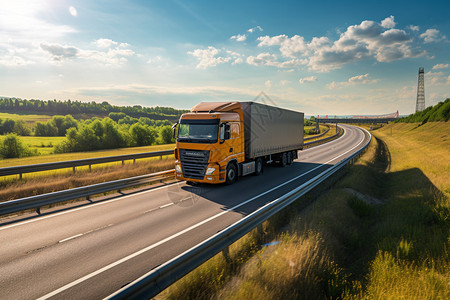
118 130
436 113
92 108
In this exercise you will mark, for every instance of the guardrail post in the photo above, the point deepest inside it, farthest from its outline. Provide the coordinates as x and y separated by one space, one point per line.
90 169
160 158
73 170
226 254
20 176
134 161
38 210
123 162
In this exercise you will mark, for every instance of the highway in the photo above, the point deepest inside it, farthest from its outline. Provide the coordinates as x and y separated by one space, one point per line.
91 251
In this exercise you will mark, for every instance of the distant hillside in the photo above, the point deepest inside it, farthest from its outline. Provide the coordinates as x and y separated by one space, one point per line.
17 105
439 112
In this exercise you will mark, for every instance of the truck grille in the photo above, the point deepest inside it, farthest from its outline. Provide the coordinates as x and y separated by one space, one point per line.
194 163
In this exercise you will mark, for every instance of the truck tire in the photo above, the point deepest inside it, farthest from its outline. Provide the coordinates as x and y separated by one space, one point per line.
258 166
283 160
231 173
289 158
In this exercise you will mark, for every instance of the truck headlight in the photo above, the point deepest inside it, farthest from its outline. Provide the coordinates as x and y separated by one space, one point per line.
210 171
178 168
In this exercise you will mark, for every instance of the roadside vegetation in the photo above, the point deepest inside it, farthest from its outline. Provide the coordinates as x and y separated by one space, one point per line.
380 232
436 113
85 126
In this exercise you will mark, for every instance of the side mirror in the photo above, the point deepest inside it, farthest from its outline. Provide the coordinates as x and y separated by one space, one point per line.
224 132
227 132
174 128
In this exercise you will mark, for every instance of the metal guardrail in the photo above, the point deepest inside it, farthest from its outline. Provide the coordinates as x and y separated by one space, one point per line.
161 277
317 136
36 202
321 141
78 163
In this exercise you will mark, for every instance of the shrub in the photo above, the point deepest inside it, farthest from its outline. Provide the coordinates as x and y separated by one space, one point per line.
12 147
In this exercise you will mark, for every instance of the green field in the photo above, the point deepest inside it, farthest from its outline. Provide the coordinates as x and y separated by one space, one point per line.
43 144
29 119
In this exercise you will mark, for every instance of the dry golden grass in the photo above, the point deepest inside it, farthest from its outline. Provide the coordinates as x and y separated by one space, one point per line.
425 147
81 155
56 182
342 246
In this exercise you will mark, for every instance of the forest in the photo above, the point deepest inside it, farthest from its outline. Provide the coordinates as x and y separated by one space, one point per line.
102 109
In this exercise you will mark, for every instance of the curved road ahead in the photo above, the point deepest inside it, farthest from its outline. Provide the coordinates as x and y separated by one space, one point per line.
91 251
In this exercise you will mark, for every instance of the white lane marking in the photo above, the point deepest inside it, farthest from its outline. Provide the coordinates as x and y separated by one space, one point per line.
69 285
70 238
85 207
167 205
87 232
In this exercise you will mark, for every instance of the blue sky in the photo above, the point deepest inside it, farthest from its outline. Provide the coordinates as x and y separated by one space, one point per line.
320 57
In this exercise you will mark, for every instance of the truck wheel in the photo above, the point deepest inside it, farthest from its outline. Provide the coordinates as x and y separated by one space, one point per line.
231 173
258 166
283 161
289 158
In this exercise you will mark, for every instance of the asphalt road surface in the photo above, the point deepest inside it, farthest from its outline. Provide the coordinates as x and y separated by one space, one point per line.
91 251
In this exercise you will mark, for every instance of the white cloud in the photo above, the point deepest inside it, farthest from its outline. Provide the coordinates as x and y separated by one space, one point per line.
73 11
143 89
413 27
20 22
239 37
268 84
388 22
284 82
437 78
251 30
207 57
364 41
440 66
60 52
105 43
432 35
111 56
261 59
237 61
308 79
355 80
14 61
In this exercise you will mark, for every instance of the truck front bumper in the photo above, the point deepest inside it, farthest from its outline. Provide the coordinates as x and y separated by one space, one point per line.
215 178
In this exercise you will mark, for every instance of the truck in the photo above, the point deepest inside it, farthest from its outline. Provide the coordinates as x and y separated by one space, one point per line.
216 142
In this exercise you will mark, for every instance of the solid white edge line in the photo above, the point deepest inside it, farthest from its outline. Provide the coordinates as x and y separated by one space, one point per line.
88 276
88 206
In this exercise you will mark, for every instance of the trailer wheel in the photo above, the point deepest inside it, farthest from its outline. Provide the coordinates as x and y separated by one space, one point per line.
258 166
289 158
283 161
231 173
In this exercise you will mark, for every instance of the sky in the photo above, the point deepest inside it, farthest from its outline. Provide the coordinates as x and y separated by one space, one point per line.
318 57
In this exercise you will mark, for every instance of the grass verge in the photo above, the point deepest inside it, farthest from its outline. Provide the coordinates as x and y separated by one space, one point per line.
381 232
81 155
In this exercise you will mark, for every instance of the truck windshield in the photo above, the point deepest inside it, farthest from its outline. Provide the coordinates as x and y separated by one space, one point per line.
198 131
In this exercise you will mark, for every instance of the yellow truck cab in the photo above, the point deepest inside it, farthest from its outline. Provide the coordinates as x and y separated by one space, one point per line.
219 141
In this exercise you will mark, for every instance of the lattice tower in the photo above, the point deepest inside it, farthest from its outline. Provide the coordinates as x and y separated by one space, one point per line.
420 103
